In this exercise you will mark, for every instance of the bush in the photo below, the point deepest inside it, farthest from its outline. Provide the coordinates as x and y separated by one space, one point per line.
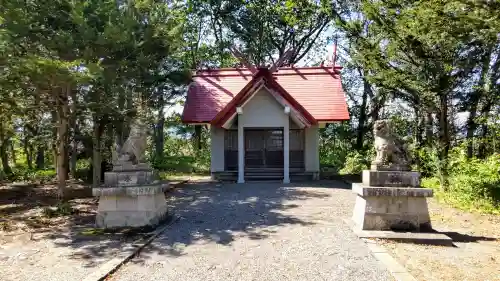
474 183
44 175
25 174
355 163
427 160
184 164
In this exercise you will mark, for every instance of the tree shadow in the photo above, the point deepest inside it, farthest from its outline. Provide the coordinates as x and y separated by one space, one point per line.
222 214
18 198
466 238
208 213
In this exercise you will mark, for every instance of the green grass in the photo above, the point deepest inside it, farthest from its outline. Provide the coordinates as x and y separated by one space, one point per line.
179 176
458 198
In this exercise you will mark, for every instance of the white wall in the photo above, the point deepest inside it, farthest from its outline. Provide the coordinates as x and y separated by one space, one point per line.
312 149
216 149
262 110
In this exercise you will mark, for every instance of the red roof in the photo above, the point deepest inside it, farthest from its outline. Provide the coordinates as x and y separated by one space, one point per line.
262 77
317 90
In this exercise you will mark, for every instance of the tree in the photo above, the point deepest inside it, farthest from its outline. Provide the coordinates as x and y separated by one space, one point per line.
423 60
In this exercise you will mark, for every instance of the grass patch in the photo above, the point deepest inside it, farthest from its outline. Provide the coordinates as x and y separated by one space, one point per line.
62 209
180 176
93 231
457 197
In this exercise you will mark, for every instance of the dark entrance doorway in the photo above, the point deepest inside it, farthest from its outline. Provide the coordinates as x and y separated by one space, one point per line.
263 148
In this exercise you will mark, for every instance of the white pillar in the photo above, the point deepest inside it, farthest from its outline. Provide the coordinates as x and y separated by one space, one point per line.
241 153
286 153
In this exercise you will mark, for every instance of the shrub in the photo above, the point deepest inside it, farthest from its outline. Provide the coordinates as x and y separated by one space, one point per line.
427 161
474 183
44 175
21 173
355 163
183 164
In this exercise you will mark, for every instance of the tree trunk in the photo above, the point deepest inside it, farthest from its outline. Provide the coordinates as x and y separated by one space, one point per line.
5 159
120 123
75 132
377 104
12 149
444 141
28 152
471 128
476 97
197 135
40 157
3 151
159 134
485 113
62 139
419 126
54 136
96 153
362 116
429 128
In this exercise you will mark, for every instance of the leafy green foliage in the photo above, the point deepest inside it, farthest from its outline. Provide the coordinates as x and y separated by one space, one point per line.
27 175
474 183
355 163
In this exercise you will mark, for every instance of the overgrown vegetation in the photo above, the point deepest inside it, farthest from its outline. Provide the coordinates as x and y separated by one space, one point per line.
75 73
474 183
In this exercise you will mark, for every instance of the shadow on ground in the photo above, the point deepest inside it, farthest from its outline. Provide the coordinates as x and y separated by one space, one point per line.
23 222
466 238
223 213
23 203
212 213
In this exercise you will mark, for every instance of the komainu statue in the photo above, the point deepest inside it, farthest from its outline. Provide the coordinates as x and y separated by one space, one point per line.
134 148
391 152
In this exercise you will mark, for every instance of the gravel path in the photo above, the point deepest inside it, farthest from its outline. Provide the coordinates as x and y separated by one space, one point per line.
257 231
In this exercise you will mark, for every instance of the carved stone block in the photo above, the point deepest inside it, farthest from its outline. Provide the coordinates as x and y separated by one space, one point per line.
391 178
130 206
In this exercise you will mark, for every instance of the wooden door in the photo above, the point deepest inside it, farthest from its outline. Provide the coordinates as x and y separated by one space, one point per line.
264 148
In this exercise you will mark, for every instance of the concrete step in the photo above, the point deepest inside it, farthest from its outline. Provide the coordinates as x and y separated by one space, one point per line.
264 176
266 173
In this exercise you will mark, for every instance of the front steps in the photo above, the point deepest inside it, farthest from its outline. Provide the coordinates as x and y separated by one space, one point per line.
264 174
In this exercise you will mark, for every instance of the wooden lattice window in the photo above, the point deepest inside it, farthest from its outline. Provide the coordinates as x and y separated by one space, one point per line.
296 139
275 140
231 140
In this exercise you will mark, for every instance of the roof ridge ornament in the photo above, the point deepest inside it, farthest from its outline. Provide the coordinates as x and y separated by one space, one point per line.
277 64
239 55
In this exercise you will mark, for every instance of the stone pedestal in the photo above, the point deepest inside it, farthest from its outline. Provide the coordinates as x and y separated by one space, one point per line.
391 200
391 208
130 197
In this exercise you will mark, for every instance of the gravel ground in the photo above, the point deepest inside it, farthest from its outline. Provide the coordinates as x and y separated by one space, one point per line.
475 255
37 248
258 231
58 258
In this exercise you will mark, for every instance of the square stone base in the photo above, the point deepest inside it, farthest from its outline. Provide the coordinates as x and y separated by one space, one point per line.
122 210
390 208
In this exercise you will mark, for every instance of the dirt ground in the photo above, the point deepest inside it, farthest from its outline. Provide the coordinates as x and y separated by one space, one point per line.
34 246
22 208
475 255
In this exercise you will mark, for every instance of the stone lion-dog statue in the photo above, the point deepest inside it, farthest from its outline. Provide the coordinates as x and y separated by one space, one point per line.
134 148
391 152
